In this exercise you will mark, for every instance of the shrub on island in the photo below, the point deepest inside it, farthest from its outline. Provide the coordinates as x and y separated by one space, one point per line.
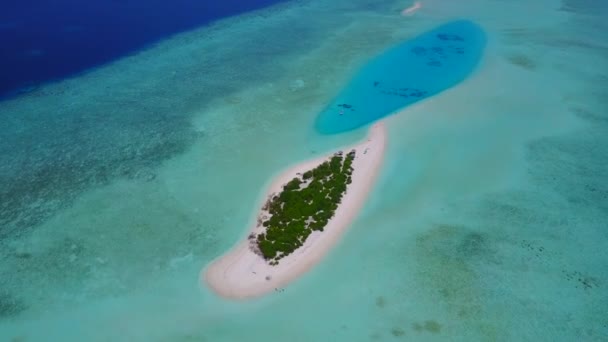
306 203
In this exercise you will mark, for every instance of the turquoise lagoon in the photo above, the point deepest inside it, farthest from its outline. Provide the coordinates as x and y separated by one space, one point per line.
407 73
488 222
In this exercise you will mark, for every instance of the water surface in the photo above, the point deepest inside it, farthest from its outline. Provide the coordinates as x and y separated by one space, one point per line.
488 222
50 40
407 73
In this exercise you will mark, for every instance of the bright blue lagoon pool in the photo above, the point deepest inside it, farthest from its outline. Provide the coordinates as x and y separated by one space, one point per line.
409 72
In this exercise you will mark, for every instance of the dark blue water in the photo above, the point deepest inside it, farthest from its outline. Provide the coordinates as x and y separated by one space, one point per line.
407 73
42 40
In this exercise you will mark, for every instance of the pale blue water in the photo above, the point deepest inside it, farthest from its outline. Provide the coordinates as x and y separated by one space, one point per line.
488 222
407 73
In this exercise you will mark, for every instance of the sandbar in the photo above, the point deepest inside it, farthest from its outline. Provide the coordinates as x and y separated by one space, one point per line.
412 9
242 274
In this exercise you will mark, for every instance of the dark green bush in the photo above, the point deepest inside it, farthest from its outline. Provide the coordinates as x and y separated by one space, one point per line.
297 210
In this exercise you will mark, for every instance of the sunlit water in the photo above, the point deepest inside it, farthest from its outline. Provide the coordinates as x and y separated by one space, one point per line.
488 221
44 41
416 69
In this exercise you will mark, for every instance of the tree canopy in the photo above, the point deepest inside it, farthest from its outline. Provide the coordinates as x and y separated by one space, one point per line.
305 204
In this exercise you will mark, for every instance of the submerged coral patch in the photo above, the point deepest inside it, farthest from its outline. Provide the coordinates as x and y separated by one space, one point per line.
10 305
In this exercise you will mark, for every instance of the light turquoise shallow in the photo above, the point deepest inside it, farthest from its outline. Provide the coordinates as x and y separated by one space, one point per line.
488 221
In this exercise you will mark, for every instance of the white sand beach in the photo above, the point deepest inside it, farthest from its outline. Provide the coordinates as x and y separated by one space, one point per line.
412 9
242 274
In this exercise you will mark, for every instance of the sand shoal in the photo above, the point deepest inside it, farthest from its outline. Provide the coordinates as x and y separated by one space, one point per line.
242 274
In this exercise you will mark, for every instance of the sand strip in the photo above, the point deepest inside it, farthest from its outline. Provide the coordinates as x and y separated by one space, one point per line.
241 274
412 9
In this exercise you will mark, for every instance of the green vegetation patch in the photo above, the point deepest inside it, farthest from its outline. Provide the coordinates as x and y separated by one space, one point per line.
306 203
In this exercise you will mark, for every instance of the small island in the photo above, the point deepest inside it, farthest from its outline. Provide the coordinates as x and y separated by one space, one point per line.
302 215
305 205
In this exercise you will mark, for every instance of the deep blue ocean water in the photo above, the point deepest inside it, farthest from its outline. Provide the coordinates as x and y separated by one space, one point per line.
407 73
49 40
